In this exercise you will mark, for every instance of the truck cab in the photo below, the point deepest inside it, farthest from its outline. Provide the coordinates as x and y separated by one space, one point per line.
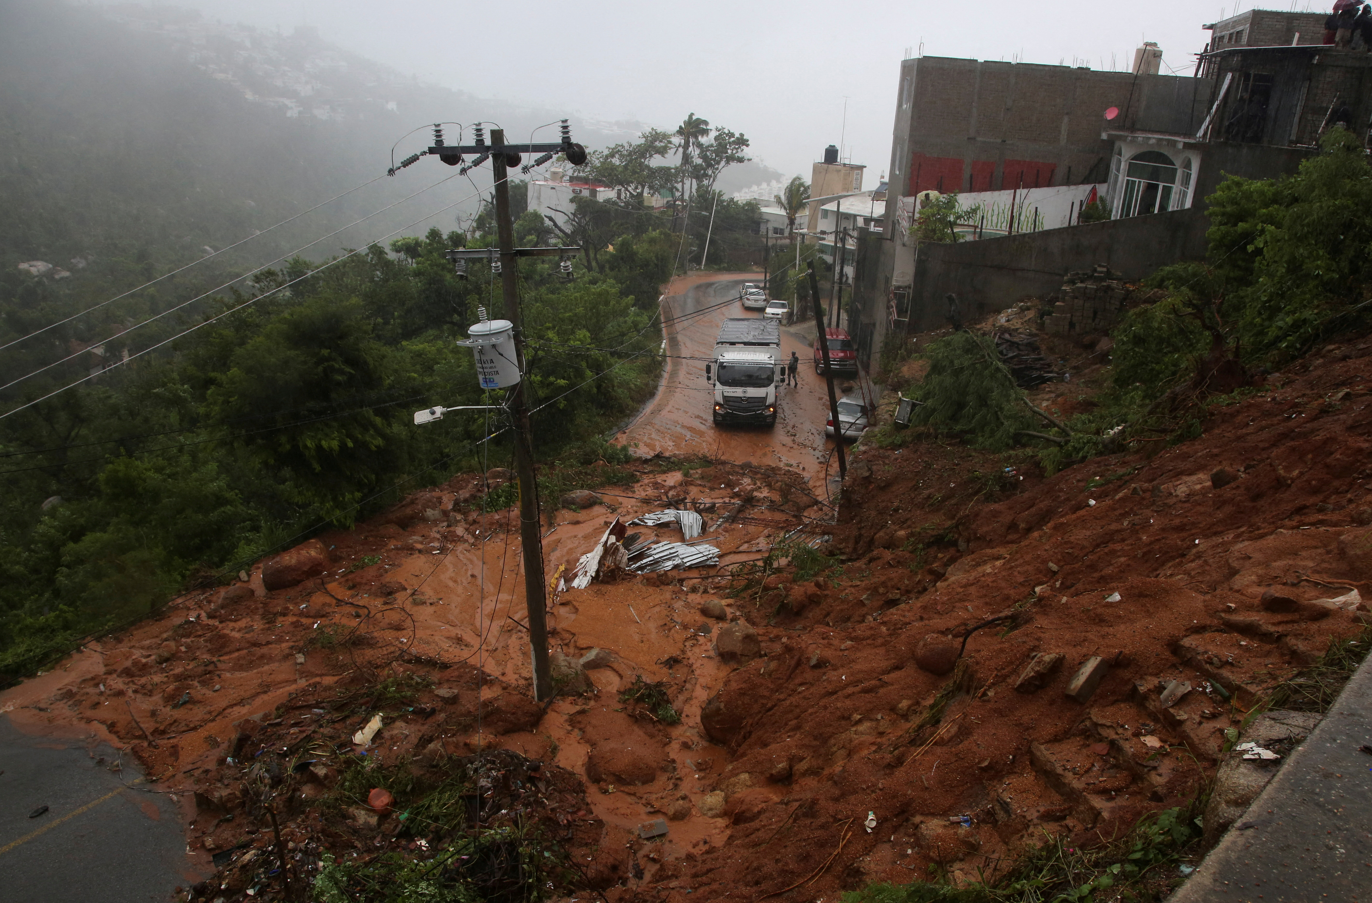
745 372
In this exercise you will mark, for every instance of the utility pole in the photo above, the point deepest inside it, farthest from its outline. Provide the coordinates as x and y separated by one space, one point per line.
502 157
828 371
530 529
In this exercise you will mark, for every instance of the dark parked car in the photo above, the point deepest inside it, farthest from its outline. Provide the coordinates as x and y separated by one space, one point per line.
842 354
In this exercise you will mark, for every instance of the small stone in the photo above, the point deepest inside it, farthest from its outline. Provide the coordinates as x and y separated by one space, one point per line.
651 829
1101 749
780 772
597 658
446 693
1053 567
713 608
300 658
1087 679
236 594
580 499
568 676
937 654
712 804
1223 477
165 653
243 576
380 800
1276 602
679 810
1038 670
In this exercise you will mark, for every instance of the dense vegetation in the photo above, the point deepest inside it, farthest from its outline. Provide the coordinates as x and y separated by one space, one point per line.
1288 268
289 414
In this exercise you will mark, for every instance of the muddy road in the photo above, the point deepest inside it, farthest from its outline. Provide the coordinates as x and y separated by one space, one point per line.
678 421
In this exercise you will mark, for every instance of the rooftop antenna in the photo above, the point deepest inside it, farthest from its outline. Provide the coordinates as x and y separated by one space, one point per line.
843 132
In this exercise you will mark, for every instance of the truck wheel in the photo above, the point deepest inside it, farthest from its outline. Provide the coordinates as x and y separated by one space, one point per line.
819 369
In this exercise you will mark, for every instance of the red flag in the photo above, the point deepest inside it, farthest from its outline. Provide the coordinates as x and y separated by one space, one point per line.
1092 197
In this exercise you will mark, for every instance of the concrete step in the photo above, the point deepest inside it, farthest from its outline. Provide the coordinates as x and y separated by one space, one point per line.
1082 772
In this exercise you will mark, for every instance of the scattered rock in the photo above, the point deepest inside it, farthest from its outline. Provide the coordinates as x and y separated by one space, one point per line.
580 499
679 810
1223 477
737 784
1276 602
1041 666
309 559
390 587
1174 692
446 693
738 643
721 721
651 829
712 805
1088 677
165 652
569 678
597 658
713 608
780 772
363 817
235 594
937 654
499 475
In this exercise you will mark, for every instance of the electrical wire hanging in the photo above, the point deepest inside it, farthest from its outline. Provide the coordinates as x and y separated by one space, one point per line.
188 266
250 301
251 273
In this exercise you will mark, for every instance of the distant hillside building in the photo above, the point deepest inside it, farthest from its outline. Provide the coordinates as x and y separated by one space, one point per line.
553 197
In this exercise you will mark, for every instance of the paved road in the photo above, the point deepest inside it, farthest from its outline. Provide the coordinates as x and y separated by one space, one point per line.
101 840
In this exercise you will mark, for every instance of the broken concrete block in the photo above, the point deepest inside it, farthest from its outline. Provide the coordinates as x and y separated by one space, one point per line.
1176 689
1040 668
650 829
1088 677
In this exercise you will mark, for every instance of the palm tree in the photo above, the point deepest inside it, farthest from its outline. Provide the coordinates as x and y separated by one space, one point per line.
793 200
693 130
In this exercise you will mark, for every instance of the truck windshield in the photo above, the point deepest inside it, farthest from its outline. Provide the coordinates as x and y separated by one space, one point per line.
745 376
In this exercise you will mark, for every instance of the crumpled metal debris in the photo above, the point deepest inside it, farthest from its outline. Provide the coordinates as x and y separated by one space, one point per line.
671 556
608 555
1020 352
692 524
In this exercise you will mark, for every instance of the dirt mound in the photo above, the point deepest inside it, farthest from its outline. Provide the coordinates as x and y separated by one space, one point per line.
1099 631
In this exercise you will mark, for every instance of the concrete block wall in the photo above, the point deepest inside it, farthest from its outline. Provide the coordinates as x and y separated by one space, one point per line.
1091 303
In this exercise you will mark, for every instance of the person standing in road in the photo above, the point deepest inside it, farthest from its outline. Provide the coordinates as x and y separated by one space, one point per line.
792 367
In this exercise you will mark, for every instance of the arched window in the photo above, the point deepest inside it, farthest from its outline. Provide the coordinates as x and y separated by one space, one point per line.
1184 187
1149 181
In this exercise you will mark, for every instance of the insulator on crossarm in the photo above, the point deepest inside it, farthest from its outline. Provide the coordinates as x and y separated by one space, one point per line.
480 133
536 164
438 135
495 265
566 268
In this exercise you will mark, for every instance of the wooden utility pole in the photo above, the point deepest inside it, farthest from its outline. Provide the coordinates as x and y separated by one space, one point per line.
828 371
530 530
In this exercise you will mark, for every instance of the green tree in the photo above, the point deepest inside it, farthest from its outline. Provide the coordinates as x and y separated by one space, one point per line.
937 219
793 200
630 166
712 157
690 133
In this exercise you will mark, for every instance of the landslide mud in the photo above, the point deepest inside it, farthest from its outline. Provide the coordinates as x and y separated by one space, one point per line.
769 778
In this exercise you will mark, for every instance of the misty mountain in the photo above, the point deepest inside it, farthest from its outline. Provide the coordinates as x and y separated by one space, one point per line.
155 134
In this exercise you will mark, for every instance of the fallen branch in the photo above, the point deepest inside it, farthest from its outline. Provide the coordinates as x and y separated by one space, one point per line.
1044 436
151 741
1045 415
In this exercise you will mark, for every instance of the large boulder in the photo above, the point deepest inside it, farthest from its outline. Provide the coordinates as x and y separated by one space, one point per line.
738 643
309 559
569 677
1356 548
1239 780
720 720
580 499
937 654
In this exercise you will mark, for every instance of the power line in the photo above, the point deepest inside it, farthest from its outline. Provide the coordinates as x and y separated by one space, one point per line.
200 297
193 263
299 279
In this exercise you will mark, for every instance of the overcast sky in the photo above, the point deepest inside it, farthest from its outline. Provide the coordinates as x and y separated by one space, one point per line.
778 72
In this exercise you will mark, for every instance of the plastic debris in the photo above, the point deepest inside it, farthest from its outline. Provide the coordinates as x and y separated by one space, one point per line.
962 820
871 821
380 800
364 736
1253 751
1113 597
41 810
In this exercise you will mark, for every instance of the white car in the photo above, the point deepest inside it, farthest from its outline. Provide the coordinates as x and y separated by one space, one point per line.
753 298
776 309
853 417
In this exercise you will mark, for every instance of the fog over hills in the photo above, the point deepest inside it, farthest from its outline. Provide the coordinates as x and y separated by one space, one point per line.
155 132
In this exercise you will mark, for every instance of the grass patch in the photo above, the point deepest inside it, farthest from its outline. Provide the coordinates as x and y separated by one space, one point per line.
1316 688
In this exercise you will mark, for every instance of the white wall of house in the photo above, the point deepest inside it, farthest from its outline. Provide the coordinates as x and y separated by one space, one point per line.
554 198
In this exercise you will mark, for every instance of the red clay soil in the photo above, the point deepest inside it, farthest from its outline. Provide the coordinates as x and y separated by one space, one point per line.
1154 561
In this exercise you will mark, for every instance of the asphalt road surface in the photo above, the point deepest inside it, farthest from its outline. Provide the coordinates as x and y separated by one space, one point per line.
104 837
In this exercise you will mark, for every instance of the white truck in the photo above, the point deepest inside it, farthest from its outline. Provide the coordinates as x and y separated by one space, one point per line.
746 370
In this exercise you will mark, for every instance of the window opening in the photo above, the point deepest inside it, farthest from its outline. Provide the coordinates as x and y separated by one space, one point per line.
1150 180
1247 120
